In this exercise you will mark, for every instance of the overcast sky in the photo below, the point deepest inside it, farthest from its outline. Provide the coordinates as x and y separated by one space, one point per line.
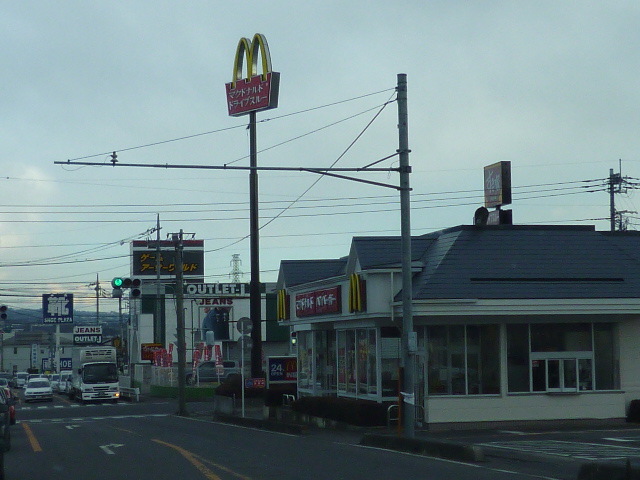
551 86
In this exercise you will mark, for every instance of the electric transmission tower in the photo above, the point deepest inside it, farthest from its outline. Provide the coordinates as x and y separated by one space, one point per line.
235 263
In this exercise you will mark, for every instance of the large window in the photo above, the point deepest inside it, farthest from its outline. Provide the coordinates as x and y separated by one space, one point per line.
464 360
568 357
316 360
357 365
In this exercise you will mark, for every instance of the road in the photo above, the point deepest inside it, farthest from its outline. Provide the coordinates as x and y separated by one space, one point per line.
146 440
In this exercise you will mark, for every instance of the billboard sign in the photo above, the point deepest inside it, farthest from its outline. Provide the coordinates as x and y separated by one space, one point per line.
147 350
282 369
144 255
213 289
57 308
255 91
87 335
497 184
318 302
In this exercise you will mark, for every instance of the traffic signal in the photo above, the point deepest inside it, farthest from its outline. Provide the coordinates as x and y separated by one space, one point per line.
294 339
133 284
3 312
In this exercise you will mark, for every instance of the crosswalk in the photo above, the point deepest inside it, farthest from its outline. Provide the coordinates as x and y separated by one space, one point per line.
38 406
577 450
71 420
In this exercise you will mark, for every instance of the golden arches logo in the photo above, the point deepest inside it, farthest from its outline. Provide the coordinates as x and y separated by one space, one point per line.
357 296
282 307
254 91
249 49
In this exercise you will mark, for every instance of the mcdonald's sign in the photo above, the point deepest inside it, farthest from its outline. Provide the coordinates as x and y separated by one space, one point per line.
282 308
255 91
357 294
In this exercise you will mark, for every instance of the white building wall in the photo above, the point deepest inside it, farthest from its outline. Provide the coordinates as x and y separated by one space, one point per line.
629 335
525 407
380 292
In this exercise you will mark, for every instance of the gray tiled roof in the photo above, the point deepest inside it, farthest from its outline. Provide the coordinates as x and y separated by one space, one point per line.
297 272
501 262
378 252
520 262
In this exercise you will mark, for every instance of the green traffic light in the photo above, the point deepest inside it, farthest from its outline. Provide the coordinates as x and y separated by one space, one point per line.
117 282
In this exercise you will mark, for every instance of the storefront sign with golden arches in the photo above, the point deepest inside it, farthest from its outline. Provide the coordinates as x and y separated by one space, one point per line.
357 294
282 309
254 91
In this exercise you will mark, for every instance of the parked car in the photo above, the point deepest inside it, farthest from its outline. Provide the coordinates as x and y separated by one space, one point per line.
65 378
21 379
13 399
38 389
8 376
4 383
64 384
207 372
54 378
36 375
5 420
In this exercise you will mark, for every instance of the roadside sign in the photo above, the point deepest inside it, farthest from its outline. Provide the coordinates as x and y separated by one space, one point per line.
57 308
282 369
244 325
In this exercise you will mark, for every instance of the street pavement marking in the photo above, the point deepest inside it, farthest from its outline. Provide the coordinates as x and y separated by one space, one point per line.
191 459
84 419
583 451
35 446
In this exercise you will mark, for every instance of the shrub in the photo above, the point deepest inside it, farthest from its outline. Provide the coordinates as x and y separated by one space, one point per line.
362 413
273 396
634 412
232 386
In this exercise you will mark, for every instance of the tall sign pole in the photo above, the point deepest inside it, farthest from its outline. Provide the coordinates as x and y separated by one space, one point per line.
180 334
248 94
409 338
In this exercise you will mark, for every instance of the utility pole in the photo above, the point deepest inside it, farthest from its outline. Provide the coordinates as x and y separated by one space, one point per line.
157 320
97 300
409 339
617 184
180 334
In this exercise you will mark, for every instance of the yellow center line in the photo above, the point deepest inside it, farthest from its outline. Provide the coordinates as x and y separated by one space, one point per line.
190 458
32 438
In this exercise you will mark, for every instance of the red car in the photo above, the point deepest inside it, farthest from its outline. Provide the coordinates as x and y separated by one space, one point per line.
12 399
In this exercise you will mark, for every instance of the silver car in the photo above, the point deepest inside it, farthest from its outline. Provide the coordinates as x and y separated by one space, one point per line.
38 389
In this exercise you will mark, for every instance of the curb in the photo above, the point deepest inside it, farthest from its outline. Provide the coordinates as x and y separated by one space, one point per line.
608 471
270 425
438 448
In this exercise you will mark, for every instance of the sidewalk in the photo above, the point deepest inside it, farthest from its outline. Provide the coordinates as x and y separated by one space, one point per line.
471 446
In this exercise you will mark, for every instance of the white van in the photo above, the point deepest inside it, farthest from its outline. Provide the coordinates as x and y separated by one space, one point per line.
65 379
21 379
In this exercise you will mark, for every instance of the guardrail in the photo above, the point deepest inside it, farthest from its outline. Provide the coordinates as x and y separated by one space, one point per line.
130 393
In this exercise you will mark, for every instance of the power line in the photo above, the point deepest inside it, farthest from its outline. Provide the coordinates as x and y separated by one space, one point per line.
220 130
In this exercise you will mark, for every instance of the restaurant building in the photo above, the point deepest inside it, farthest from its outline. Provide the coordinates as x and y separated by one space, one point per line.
514 323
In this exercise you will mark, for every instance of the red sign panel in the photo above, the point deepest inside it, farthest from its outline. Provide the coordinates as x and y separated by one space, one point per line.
147 350
319 302
256 93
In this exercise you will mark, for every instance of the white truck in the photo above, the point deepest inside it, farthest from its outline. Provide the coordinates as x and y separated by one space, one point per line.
95 374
